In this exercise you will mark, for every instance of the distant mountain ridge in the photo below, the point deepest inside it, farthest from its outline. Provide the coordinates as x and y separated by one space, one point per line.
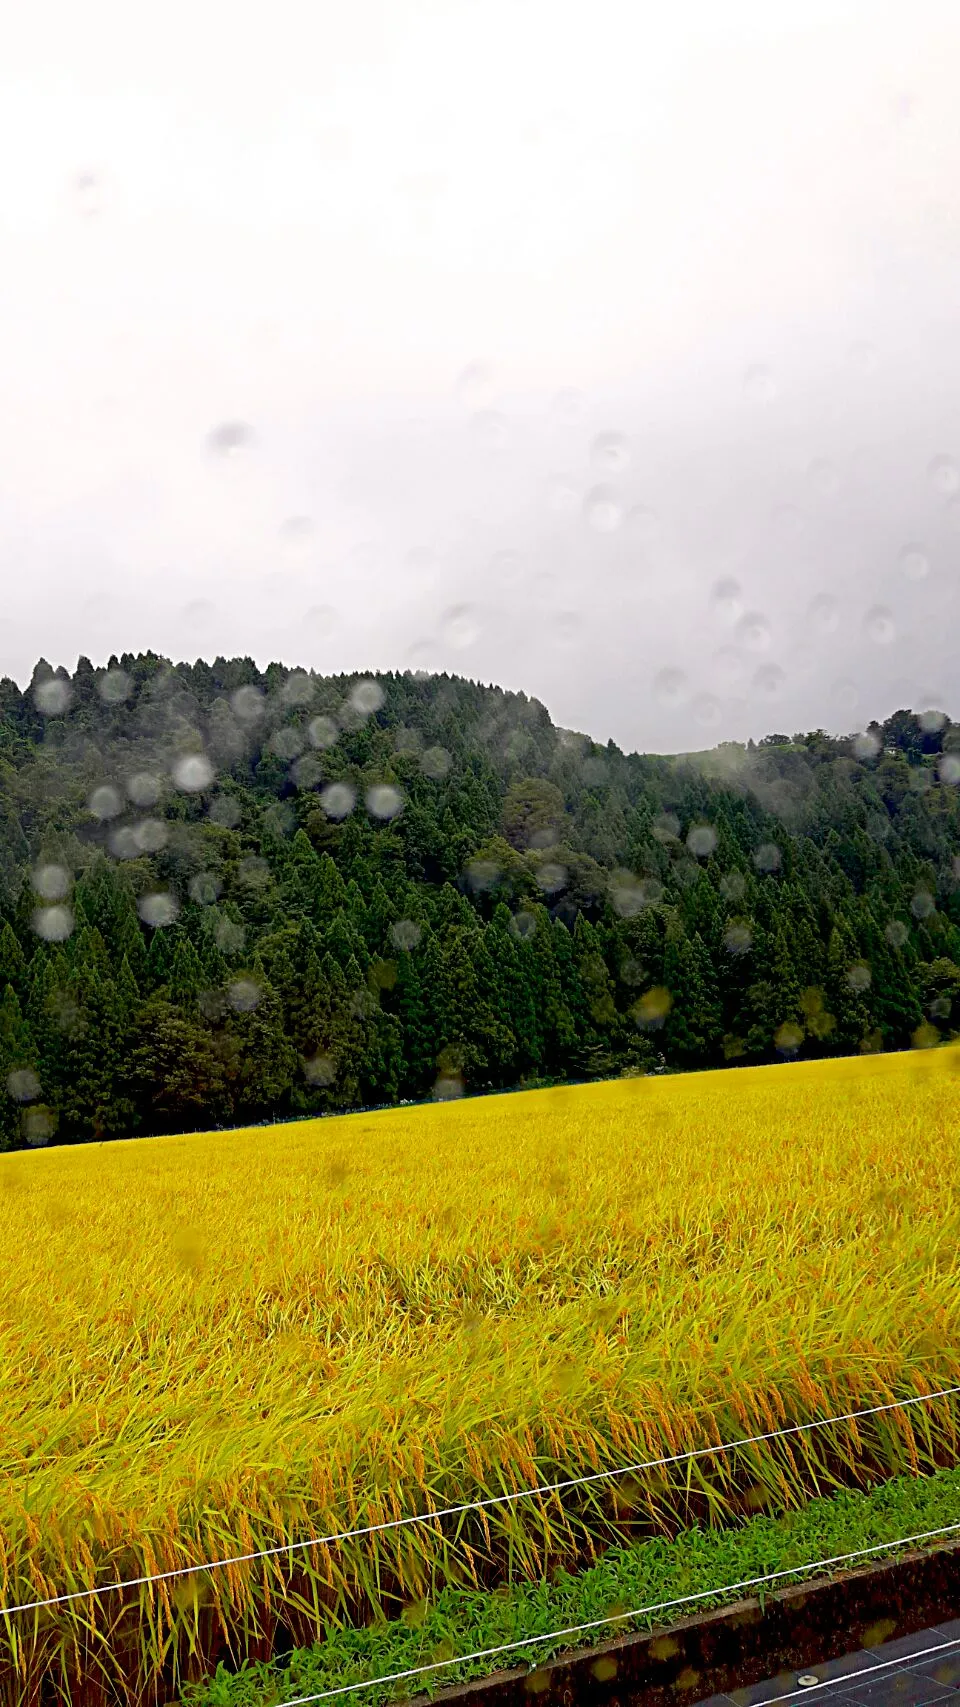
230 895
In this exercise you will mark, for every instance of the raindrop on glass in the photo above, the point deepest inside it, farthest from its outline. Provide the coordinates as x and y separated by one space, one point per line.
384 801
224 810
866 745
767 857
53 924
846 694
702 840
944 475
459 626
150 835
474 383
435 763
248 704
768 681
950 768
670 687
366 697
322 732
53 696
229 440
338 800
879 626
204 888
729 667
405 934
157 909
115 687
105 801
707 710
824 613
193 773
23 1085
51 882
88 194
297 689
610 453
642 522
243 995
726 599
562 495
753 631
914 563
603 509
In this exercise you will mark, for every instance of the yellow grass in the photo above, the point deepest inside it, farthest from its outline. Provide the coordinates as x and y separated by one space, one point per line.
210 1344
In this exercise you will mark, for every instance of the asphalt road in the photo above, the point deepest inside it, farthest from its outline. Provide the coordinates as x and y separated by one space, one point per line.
902 1673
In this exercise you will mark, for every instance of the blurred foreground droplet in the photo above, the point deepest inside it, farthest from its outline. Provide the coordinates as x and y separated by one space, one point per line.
338 800
879 626
53 924
230 439
944 475
158 909
603 509
914 563
753 631
759 385
459 625
384 801
53 696
192 773
105 802
824 613
405 934
670 687
115 687
51 882
726 599
610 452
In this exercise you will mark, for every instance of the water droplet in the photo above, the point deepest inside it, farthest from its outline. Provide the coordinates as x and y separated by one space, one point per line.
298 689
863 358
53 696
944 475
115 687
366 697
923 904
405 934
824 613
338 800
384 801
53 924
230 936
248 704
896 933
105 802
652 1009
88 194
914 563
192 773
460 626
726 599
759 385
286 743
320 1070
707 710
204 888
670 687
157 909
603 509
51 882
243 995
150 835
824 477
224 810
866 745
610 452
23 1085
489 428
322 732
753 631
879 626
767 857
296 536
702 840
729 667
769 681
436 763
123 842
737 938
952 513
474 383
950 768
551 878
733 886
930 717
566 406
230 440
523 925
562 495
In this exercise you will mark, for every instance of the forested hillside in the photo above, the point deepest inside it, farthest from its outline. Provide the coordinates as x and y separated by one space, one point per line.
230 895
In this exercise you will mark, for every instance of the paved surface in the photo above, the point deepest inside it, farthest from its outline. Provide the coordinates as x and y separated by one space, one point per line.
895 1674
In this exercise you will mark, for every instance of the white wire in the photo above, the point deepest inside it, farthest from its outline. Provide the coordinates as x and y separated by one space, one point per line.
617 1618
469 1505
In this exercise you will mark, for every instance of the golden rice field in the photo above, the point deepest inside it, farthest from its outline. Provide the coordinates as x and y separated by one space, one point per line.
218 1343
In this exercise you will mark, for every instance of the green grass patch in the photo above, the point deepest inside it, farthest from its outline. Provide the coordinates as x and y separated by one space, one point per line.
698 1562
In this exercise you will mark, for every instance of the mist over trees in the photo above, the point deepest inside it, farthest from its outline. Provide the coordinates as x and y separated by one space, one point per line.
229 895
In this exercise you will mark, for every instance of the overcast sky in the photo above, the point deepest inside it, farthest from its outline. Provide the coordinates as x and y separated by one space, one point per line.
608 351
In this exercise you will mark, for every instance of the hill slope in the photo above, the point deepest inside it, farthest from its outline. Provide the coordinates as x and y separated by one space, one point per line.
229 895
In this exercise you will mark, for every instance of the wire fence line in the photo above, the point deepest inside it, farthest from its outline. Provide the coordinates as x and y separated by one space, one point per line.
624 1617
290 1547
